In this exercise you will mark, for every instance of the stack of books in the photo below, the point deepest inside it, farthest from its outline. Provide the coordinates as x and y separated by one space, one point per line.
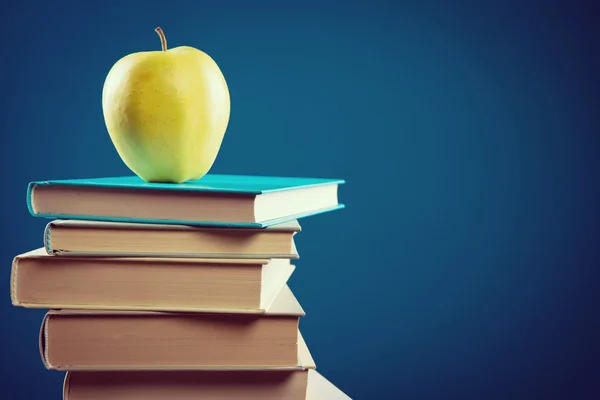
173 291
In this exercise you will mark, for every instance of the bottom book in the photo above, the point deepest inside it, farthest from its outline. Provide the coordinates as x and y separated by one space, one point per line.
305 384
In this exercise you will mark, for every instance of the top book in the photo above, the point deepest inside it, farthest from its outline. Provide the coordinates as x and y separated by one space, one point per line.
218 200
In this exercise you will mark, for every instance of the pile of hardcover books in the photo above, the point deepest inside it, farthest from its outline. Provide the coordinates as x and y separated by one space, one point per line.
173 291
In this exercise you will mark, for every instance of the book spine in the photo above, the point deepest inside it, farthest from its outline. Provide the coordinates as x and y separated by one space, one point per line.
42 340
47 241
29 199
67 386
13 282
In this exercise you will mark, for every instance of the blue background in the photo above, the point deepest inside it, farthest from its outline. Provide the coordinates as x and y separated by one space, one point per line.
466 262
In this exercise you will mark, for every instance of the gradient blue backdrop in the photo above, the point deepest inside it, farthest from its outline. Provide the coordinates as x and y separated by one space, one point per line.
466 263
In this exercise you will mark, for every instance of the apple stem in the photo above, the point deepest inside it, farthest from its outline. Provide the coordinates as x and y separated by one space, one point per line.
163 39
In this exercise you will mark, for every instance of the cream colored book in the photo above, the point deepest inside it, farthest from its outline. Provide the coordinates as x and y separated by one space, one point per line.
129 340
305 384
80 237
39 280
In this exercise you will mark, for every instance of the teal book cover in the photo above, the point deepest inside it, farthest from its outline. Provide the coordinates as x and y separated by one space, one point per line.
234 185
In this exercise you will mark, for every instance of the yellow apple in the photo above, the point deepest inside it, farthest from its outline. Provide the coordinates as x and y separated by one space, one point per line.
166 112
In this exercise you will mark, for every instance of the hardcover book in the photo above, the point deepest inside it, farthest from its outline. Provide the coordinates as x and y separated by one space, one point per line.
98 238
307 384
152 340
221 200
39 280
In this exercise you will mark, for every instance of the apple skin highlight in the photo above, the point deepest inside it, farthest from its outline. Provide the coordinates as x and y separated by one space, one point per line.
166 112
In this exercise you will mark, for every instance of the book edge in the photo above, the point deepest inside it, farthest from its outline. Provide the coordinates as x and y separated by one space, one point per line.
40 253
207 257
305 360
203 368
13 282
260 224
67 386
43 337
285 295
93 182
293 226
47 237
29 198
97 308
